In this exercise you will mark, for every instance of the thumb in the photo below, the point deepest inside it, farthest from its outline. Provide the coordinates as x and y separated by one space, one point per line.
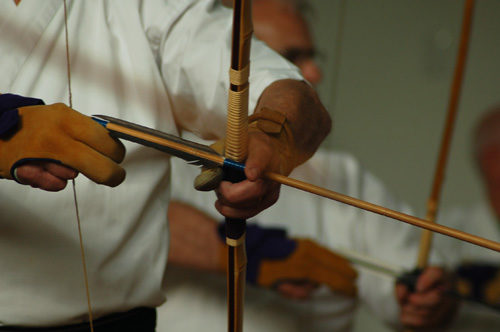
431 277
259 157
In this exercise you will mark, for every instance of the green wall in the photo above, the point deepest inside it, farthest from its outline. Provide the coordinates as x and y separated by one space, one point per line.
393 73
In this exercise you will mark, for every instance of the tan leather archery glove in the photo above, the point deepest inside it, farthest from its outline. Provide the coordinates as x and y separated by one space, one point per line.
275 126
312 263
61 134
479 282
274 258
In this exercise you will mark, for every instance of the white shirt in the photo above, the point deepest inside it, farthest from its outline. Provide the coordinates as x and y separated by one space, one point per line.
332 224
479 220
148 62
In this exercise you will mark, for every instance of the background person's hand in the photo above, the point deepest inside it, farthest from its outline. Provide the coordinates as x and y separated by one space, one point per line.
429 306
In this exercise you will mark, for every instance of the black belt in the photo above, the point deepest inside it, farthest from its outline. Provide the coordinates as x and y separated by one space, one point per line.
136 320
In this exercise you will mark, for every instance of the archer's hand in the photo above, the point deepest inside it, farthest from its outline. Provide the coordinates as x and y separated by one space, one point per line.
53 143
309 264
294 267
429 306
285 130
247 198
270 149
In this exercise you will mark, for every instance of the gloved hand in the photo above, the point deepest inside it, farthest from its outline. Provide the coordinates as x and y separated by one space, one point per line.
57 134
479 282
270 148
266 123
273 259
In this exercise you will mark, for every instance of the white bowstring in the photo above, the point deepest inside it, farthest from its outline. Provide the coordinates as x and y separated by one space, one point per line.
82 251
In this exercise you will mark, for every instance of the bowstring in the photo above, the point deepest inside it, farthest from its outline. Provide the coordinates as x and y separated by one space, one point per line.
75 199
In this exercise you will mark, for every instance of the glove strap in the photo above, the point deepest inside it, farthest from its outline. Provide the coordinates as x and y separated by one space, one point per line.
275 124
271 122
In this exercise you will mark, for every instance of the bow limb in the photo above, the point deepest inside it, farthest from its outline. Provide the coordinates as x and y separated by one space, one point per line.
237 149
75 199
433 200
434 197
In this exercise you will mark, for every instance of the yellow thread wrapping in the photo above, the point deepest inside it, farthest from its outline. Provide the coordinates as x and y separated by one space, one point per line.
235 242
239 77
237 125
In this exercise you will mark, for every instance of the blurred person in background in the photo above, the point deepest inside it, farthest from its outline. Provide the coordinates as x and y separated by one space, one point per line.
477 269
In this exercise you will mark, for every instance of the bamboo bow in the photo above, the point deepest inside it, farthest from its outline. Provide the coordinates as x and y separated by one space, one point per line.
236 149
434 197
433 200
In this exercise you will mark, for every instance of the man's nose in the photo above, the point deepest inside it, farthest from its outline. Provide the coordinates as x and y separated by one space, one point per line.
311 71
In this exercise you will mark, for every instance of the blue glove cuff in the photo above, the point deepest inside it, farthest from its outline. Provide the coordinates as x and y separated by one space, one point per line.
263 243
9 115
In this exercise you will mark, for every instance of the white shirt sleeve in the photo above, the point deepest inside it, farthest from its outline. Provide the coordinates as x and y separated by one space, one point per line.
194 55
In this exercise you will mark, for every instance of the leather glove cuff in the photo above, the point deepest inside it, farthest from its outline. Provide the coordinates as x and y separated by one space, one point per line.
9 115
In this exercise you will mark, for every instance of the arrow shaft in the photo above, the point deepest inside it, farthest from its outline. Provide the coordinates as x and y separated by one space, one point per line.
159 140
384 211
